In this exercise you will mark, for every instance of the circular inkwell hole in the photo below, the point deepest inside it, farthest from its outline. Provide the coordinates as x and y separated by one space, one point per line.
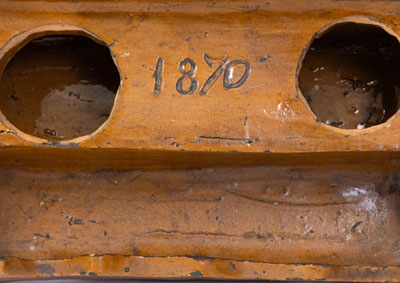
59 87
350 75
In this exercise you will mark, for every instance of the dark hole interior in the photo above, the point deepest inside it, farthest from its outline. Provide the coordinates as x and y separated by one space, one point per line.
350 76
59 87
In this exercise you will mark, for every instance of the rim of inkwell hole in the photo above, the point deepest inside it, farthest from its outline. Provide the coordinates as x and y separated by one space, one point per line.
362 20
18 41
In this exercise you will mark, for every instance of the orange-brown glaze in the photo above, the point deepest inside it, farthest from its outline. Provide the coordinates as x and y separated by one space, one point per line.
212 163
305 214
